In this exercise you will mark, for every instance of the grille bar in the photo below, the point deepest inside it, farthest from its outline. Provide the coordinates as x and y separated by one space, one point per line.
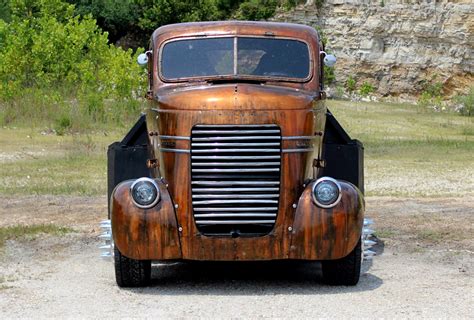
235 173
236 183
234 196
239 209
233 132
234 150
236 164
236 138
229 157
235 201
238 170
235 222
232 144
234 215
196 190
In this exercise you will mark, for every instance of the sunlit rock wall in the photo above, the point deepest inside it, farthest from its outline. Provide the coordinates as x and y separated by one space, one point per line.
397 46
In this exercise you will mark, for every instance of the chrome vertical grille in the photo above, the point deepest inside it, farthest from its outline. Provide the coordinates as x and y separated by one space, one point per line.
235 173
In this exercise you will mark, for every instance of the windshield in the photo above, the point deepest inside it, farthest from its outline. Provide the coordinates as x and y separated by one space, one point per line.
235 56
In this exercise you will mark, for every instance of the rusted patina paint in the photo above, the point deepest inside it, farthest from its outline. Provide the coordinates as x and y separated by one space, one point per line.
144 234
327 234
307 232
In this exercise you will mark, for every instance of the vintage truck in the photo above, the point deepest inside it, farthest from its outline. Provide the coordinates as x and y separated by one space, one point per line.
237 157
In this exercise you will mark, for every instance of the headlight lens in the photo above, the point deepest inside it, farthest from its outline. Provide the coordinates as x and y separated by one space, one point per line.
326 192
145 193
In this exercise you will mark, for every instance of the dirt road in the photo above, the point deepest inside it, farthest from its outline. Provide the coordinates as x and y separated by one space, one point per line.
420 271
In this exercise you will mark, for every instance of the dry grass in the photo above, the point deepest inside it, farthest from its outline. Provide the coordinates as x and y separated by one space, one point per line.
31 231
408 153
36 163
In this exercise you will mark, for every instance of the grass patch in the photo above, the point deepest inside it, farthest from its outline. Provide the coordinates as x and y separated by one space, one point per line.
408 153
435 236
35 163
386 233
23 231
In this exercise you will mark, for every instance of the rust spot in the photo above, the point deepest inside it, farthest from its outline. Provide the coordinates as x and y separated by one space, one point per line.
152 163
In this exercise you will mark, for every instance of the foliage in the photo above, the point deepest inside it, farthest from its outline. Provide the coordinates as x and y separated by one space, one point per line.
160 12
256 9
5 10
350 84
434 89
329 73
63 63
366 89
155 13
117 17
431 96
466 103
141 17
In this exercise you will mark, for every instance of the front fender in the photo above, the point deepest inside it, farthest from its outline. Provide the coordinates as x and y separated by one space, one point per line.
144 234
327 234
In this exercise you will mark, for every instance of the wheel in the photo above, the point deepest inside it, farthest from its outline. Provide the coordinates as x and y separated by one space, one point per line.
345 271
131 272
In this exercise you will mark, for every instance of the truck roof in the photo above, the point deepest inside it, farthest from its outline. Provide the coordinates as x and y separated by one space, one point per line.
277 29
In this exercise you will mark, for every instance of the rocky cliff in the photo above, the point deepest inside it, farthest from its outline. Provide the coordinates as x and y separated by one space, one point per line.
397 46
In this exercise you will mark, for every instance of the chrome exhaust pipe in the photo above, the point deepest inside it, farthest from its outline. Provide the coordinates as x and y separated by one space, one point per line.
107 246
369 253
367 231
368 241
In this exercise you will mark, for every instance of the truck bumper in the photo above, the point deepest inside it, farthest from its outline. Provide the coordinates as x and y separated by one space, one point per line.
314 234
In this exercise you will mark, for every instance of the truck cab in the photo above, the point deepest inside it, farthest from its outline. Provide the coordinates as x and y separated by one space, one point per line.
237 157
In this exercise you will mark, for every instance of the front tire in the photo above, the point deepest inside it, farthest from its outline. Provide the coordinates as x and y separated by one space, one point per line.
345 271
131 272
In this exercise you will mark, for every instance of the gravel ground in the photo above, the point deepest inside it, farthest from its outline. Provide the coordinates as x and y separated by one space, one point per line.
48 277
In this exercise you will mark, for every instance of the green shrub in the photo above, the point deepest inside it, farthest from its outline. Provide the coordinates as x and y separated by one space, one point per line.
55 62
431 96
63 123
329 76
350 84
256 9
434 89
366 89
466 103
117 17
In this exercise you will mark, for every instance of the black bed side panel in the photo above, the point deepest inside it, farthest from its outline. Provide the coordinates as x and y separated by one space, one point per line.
344 156
127 159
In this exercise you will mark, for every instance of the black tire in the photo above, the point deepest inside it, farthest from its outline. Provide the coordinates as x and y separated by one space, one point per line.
131 272
345 271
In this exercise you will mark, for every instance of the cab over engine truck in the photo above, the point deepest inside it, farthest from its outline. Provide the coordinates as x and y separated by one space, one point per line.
237 157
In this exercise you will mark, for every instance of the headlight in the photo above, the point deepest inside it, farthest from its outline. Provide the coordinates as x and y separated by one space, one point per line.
326 192
145 193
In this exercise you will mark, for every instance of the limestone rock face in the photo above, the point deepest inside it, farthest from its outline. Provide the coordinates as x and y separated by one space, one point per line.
397 46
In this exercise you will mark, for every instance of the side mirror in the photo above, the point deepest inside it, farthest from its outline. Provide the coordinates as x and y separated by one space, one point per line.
142 59
329 60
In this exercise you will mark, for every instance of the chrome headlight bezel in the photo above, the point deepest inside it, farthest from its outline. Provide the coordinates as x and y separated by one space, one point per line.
332 181
150 182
